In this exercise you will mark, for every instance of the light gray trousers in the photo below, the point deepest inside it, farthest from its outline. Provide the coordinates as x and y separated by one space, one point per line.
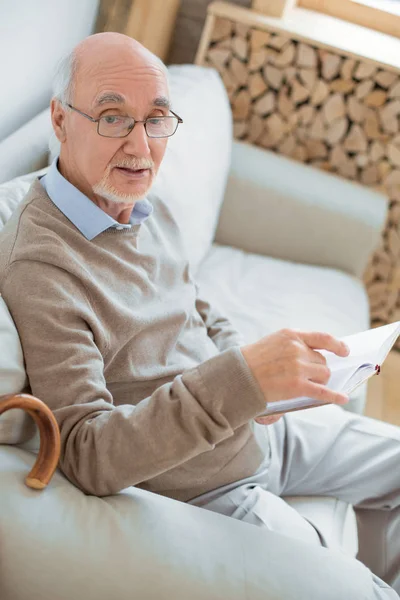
327 451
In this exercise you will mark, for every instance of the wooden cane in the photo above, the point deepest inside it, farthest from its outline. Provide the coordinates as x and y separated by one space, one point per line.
49 450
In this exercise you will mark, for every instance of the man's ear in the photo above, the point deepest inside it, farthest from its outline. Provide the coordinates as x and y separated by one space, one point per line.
58 119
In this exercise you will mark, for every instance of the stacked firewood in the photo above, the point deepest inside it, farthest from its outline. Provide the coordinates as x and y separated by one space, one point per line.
339 113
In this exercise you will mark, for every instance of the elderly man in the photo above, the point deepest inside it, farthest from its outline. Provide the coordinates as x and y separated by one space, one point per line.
150 385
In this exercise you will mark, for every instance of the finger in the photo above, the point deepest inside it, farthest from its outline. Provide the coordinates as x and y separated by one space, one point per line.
318 373
318 391
324 341
268 420
315 357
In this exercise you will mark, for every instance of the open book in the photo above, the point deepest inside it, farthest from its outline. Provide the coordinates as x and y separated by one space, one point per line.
368 350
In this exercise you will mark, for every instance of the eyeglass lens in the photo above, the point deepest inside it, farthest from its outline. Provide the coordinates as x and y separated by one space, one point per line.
119 126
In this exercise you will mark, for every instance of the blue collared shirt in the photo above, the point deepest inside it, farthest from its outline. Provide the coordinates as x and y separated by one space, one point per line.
81 211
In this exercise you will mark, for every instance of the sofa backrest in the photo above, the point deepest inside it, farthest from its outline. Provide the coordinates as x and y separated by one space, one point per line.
280 207
33 38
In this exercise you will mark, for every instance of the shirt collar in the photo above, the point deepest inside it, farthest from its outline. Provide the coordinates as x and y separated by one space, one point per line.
81 211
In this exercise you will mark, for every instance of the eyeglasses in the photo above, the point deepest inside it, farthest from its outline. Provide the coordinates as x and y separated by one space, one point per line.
118 126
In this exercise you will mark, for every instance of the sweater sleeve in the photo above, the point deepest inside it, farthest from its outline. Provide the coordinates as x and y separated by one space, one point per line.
105 448
219 328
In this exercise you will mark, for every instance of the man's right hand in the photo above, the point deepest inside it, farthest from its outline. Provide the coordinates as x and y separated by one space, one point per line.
286 365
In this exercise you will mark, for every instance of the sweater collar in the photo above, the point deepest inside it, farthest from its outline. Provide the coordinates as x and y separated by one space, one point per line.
81 211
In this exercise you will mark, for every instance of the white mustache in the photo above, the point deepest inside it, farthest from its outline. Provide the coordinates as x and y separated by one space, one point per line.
135 164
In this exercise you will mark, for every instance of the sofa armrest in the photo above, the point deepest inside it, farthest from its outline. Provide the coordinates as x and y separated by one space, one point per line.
282 208
49 451
63 544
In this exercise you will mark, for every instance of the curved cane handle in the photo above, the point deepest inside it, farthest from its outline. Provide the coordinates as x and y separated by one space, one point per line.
49 451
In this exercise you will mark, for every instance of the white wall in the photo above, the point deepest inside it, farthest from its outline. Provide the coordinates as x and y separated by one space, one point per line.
34 34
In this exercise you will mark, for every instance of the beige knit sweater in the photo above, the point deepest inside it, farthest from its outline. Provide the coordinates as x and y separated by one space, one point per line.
145 378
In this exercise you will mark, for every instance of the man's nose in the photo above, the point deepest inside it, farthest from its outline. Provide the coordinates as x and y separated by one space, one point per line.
137 141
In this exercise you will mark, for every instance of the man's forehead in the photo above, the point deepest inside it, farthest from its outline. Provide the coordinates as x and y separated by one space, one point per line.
117 98
130 85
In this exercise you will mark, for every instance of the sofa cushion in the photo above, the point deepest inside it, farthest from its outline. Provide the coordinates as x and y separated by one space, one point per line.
15 425
12 192
12 372
261 295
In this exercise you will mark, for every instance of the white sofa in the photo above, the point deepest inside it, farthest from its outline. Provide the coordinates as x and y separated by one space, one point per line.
274 243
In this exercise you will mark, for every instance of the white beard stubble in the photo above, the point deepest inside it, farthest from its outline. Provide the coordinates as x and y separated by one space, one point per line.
106 190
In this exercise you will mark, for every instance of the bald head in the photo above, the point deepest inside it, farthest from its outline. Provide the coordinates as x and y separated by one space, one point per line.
93 52
110 41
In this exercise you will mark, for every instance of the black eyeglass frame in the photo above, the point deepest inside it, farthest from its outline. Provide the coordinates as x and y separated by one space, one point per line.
133 124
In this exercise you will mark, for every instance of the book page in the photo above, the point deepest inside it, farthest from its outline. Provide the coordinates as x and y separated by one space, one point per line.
371 344
394 330
362 374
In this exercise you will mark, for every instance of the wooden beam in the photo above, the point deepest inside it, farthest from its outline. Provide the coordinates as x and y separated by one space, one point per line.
273 8
112 15
205 39
152 22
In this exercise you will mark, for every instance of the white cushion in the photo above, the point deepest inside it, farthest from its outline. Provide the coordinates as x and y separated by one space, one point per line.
12 373
15 426
261 295
12 192
194 172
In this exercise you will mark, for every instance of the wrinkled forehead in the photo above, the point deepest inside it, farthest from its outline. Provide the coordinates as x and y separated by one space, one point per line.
123 84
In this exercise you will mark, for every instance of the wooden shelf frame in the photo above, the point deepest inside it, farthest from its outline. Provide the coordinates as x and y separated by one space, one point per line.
274 8
314 28
371 15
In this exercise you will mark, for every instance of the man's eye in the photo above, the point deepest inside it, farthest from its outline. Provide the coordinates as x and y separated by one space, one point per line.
156 121
112 119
